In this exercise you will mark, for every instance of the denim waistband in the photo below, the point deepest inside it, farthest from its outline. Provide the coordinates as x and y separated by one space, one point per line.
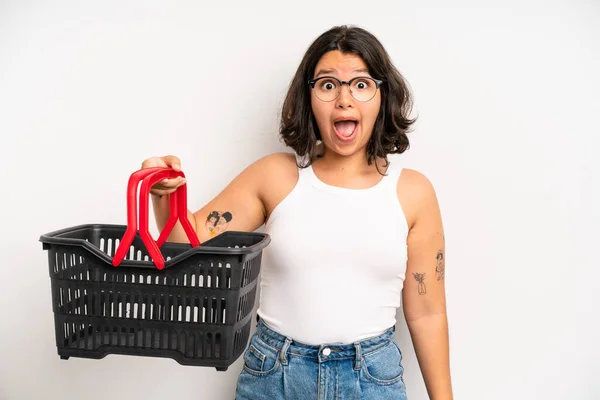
323 352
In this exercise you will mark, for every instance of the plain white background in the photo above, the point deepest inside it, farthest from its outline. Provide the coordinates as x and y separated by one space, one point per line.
507 98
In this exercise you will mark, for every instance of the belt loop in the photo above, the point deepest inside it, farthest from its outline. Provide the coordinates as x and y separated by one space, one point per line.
357 360
283 352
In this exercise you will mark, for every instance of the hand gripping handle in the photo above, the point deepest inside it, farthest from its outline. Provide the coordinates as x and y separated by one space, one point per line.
178 211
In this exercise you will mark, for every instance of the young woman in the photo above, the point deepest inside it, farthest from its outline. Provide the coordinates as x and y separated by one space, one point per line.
352 234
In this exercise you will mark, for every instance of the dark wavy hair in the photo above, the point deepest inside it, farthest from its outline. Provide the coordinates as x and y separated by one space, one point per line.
298 126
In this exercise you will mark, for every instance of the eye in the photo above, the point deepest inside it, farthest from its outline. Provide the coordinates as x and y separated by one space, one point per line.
362 84
328 85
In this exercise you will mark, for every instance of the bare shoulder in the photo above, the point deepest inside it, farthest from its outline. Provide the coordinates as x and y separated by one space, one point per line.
277 161
268 166
278 167
278 175
246 202
416 182
416 194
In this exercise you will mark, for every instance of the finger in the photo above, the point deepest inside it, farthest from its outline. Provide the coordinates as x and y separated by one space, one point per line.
153 162
162 192
169 184
173 182
163 188
173 162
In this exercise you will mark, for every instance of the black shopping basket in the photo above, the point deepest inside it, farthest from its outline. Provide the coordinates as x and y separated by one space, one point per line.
117 291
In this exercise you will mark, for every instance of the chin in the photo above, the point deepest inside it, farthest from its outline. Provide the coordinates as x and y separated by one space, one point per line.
345 149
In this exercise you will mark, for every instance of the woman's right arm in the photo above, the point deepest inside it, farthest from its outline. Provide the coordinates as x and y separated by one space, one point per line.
238 207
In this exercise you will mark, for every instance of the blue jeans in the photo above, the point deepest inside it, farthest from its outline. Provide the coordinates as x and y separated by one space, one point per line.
277 367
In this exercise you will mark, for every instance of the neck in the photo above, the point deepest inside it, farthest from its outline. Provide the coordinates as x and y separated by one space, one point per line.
353 163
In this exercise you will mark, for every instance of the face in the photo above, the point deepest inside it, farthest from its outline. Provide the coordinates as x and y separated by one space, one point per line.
345 123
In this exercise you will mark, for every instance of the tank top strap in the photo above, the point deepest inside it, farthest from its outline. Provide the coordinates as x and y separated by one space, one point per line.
302 162
393 174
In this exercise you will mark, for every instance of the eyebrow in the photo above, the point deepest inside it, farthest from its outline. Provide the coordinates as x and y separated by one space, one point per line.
332 71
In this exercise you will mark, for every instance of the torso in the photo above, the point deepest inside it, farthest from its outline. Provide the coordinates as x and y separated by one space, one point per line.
312 282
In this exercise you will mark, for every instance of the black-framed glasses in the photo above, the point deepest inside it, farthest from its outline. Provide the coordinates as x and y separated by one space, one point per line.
328 88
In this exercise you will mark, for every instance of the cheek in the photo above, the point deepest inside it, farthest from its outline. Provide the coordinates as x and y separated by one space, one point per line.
372 111
320 112
376 106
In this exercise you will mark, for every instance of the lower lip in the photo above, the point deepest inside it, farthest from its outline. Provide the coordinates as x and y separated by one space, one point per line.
343 138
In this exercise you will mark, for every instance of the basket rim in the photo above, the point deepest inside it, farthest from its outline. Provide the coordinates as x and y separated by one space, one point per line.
53 238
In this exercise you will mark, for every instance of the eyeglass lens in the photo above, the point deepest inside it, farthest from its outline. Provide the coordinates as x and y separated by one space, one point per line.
328 89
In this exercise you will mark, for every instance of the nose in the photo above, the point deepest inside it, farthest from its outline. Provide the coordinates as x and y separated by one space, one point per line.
344 100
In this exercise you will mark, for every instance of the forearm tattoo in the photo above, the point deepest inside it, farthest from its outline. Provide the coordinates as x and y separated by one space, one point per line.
440 267
421 279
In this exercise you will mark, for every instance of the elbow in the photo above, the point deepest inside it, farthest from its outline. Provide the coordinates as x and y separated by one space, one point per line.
430 317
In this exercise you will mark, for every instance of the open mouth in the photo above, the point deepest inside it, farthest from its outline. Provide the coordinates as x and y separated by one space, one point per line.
345 129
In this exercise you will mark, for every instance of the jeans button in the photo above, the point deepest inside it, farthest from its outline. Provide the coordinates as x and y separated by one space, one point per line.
326 351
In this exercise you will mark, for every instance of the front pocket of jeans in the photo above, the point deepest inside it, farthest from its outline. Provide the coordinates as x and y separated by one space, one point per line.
260 359
384 365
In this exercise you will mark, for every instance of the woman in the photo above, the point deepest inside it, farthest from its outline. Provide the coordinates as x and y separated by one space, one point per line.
351 235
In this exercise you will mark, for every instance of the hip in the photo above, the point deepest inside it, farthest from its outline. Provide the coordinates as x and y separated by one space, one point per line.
279 367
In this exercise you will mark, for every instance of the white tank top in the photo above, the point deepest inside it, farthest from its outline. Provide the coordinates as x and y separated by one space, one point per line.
335 267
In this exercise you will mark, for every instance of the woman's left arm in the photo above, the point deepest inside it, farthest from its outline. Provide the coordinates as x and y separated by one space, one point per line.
424 299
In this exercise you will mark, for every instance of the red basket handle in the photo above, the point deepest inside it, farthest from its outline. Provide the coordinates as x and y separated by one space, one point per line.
178 211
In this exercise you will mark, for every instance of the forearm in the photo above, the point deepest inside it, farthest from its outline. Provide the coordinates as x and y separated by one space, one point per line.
429 334
161 214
